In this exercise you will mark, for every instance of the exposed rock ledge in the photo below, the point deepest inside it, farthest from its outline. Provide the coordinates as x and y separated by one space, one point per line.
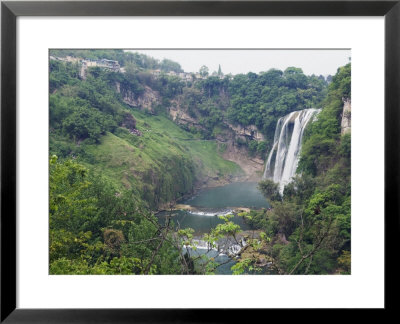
145 101
252 167
250 131
346 116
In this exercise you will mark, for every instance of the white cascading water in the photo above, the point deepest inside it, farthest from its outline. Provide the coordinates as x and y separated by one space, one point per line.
286 147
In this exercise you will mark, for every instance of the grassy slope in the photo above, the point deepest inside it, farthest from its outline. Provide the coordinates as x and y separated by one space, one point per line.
162 164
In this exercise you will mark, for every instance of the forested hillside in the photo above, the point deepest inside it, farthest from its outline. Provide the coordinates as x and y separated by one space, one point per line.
135 150
126 143
244 100
309 224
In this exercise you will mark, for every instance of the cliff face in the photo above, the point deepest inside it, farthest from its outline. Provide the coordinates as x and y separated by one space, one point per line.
228 137
346 116
180 116
250 132
145 101
252 167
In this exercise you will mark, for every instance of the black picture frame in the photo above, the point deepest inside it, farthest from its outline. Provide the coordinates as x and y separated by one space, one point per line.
10 10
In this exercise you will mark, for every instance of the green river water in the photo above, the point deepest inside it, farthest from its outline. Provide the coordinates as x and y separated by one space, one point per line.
211 202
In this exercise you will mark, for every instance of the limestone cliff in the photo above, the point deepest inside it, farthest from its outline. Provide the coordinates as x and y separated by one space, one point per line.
252 167
250 132
346 116
228 137
180 116
147 100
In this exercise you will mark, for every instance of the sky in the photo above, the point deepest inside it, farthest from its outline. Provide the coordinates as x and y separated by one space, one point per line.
316 62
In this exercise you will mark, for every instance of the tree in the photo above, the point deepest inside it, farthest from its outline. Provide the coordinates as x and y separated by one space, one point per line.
168 65
219 70
204 71
95 230
101 200
270 190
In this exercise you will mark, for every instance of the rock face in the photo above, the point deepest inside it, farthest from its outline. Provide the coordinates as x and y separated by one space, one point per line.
129 121
180 116
227 139
148 100
252 167
250 131
346 116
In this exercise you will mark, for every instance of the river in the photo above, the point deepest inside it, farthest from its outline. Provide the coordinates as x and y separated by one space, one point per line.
205 207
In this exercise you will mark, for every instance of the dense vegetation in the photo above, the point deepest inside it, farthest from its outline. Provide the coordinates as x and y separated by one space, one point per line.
138 60
112 165
308 227
147 154
262 99
251 99
215 101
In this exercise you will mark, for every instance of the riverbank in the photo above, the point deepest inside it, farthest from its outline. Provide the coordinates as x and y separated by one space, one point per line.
251 172
192 208
237 197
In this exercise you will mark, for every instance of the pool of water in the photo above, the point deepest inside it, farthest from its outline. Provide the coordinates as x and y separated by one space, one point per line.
212 202
237 194
208 205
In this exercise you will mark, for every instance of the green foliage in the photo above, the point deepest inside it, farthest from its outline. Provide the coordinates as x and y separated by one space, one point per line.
117 266
270 190
96 230
262 99
227 228
323 145
84 123
187 236
138 60
300 189
341 82
62 74
168 65
169 86
89 112
310 223
241 266
204 71
257 148
344 261
133 80
108 177
345 146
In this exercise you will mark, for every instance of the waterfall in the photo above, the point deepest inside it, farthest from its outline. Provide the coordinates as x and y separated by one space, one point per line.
282 161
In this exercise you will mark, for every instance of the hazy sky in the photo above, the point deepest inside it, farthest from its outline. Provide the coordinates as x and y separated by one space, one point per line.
317 62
